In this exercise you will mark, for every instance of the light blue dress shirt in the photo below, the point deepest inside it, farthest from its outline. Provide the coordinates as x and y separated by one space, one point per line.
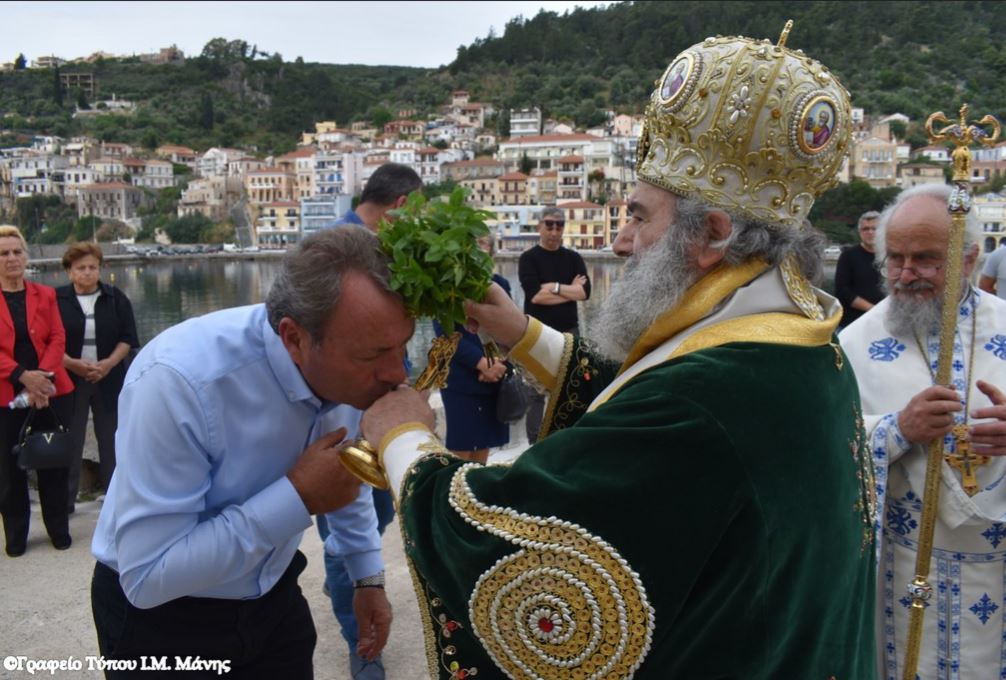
212 416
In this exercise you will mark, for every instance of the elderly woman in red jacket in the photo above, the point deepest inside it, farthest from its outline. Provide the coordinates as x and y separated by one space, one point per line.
31 359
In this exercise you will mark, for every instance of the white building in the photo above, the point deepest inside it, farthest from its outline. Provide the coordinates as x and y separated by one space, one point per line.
525 122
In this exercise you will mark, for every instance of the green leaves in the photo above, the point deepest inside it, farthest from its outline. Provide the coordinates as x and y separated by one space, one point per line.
436 261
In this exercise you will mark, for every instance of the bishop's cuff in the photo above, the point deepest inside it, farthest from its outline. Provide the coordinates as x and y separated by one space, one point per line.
400 448
539 352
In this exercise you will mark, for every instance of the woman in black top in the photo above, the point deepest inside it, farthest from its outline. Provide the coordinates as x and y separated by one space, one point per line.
100 332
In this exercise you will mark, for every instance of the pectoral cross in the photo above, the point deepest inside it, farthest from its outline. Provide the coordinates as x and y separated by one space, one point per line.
965 461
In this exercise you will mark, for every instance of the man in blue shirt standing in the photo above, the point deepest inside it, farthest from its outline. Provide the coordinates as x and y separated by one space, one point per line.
386 190
230 426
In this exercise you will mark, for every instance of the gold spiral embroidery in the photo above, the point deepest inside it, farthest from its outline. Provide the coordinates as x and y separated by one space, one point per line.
566 605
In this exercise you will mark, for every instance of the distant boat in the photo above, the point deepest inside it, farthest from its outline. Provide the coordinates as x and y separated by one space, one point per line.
31 271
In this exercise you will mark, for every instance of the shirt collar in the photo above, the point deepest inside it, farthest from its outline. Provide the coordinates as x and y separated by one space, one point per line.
351 217
287 374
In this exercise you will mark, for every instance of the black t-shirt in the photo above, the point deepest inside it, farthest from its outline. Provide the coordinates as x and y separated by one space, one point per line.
537 266
856 276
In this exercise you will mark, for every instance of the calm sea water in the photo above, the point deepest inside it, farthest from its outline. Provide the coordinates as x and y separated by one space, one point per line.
165 292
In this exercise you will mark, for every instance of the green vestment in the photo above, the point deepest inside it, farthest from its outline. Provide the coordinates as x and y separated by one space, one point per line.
711 519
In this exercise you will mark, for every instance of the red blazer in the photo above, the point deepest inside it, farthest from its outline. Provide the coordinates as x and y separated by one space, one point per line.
47 336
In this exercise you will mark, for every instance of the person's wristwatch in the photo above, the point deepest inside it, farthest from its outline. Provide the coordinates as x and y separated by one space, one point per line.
556 289
375 581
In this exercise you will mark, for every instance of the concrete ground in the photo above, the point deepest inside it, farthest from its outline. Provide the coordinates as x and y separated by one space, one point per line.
47 613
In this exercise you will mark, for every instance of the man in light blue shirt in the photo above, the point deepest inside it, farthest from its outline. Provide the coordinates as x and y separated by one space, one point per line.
230 426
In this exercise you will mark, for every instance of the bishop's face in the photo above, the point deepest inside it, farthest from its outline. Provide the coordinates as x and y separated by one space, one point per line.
651 212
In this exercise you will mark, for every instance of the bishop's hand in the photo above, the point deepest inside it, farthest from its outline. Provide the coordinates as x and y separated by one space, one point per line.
498 316
398 407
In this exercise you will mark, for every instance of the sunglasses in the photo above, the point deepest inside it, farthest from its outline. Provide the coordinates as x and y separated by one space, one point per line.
554 224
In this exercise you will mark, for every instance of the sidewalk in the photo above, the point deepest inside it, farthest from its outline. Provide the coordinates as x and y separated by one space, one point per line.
47 610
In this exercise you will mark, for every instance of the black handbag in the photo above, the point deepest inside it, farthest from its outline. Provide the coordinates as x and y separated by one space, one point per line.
43 449
511 400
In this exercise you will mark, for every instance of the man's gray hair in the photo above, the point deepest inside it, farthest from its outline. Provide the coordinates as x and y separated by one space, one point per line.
940 192
866 217
750 238
552 211
308 286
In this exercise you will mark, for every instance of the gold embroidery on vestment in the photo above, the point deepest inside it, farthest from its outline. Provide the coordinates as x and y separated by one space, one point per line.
566 605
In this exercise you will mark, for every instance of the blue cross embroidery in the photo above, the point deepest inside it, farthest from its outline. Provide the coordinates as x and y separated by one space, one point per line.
984 608
997 345
995 534
900 520
890 349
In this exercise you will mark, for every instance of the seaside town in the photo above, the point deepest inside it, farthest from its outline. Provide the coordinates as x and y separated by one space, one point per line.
276 201
645 341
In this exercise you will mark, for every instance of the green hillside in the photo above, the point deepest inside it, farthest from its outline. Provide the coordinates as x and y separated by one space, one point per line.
911 57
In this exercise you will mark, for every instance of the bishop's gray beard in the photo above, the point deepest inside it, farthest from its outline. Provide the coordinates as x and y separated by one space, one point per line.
652 283
909 316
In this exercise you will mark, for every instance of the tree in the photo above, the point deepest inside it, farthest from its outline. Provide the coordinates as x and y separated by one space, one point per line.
526 164
20 63
206 112
188 229
898 129
57 88
82 100
379 116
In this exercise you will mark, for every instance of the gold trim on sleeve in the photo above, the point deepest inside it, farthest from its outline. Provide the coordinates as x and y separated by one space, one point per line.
522 353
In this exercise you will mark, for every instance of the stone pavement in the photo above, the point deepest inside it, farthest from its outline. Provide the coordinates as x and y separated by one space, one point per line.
47 611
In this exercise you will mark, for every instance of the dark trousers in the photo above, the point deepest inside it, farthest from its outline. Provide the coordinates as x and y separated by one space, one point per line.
14 503
88 398
266 638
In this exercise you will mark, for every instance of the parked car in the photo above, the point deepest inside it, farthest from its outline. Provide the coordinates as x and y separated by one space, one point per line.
832 252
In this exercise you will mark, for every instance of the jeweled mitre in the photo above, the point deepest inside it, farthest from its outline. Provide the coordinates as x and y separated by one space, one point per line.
748 126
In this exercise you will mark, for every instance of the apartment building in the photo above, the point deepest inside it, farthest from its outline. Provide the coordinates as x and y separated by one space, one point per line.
874 160
182 155
585 225
913 174
110 200
525 122
154 174
572 184
269 185
512 189
278 224
206 196
478 176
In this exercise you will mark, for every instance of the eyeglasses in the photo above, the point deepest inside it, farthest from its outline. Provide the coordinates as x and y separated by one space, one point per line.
554 225
896 265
